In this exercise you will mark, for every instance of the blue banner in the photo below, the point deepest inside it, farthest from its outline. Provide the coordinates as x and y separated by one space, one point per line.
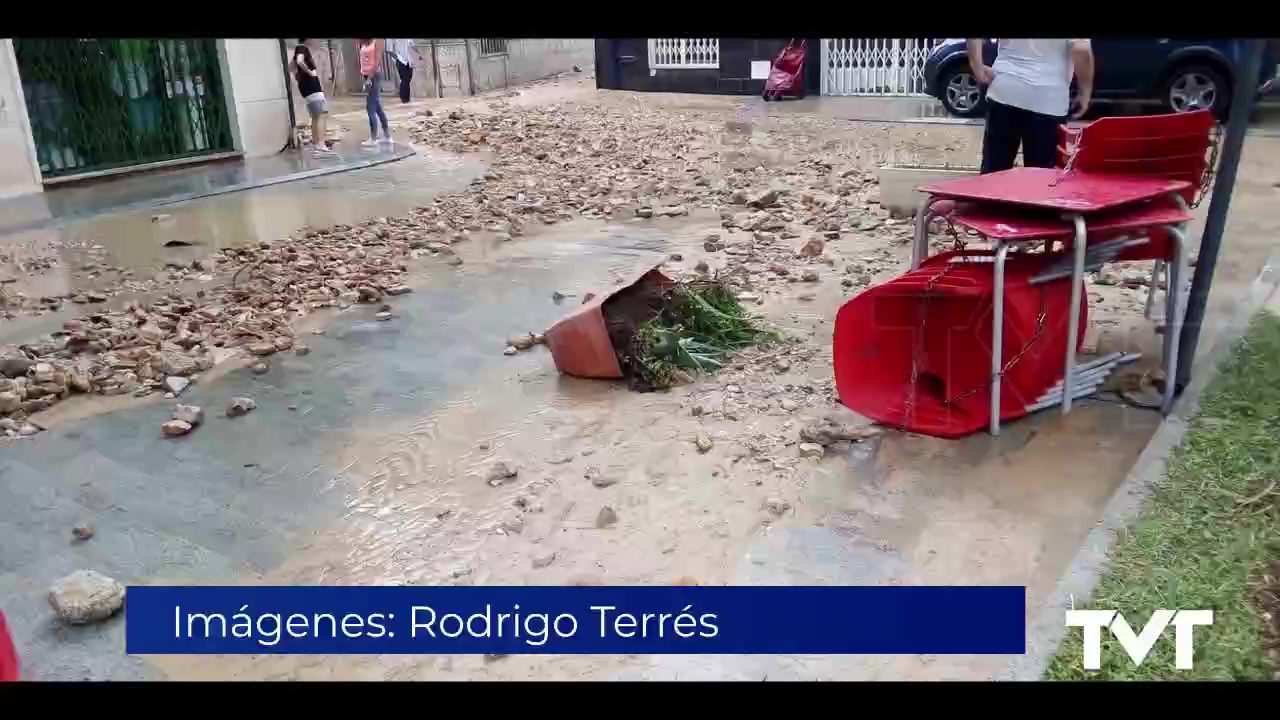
575 620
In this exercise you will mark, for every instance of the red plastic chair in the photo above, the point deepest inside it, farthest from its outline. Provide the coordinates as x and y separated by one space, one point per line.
916 352
1175 146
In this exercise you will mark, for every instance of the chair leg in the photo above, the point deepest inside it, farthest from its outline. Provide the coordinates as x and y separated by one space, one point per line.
1175 297
997 335
1073 319
920 242
1157 270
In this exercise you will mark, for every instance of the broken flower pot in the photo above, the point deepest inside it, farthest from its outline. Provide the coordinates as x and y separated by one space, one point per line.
580 342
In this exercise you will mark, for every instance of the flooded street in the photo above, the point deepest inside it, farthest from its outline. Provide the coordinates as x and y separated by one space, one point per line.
368 457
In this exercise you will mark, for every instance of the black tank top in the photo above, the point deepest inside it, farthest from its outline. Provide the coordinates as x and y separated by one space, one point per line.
307 85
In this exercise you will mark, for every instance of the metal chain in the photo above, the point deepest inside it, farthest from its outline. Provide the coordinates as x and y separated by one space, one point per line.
1211 170
1026 347
917 357
1071 160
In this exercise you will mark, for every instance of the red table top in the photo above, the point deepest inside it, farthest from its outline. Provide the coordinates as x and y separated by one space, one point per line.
1019 223
1076 191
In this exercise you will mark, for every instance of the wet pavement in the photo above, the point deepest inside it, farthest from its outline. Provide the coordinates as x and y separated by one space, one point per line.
155 189
364 462
238 498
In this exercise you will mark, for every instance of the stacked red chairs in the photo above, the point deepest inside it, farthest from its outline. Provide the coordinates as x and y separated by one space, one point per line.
915 353
1124 191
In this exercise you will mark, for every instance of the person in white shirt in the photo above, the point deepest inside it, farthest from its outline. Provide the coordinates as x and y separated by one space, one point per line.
1029 96
403 50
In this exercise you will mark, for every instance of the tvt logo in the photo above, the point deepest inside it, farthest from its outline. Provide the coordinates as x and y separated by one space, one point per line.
1137 645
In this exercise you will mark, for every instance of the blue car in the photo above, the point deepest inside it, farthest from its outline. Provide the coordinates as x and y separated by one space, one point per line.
1180 75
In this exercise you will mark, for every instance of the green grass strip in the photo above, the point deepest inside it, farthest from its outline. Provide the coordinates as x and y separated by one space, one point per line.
1208 530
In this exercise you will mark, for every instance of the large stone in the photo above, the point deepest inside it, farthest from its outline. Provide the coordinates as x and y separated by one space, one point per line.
812 248
86 596
78 379
190 414
9 402
828 432
151 334
523 341
501 473
240 406
42 373
175 428
777 506
15 365
763 198
703 442
171 362
176 384
607 517
811 450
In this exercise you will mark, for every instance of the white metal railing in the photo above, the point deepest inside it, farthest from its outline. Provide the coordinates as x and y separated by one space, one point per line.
493 46
684 53
875 66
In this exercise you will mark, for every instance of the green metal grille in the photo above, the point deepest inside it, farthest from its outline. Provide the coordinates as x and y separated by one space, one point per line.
97 104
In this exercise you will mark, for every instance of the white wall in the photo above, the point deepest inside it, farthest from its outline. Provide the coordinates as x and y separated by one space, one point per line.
19 171
530 59
535 58
259 95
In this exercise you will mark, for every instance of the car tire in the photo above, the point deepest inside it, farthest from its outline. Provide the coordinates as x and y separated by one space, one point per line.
1184 90
956 86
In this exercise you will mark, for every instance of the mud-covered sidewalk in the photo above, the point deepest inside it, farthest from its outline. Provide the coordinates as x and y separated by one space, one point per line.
368 457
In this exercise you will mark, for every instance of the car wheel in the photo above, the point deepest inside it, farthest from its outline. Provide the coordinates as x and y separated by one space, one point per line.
961 94
1196 87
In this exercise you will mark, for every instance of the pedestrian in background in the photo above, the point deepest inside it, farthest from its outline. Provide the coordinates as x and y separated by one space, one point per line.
404 51
1029 96
308 79
370 70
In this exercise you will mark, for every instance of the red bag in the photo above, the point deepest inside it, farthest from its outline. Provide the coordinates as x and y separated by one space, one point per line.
8 653
786 77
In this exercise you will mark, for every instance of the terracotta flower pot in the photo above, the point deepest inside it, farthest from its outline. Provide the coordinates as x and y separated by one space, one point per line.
580 343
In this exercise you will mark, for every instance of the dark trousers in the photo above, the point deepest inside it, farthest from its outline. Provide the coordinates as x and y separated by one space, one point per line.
406 74
1008 127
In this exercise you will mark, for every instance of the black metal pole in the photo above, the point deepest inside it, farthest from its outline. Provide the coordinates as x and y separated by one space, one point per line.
288 93
1242 101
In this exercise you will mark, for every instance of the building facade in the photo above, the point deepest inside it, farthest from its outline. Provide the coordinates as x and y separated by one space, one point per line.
74 108
456 67
740 66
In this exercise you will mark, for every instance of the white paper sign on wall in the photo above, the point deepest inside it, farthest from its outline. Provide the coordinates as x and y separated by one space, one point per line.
760 69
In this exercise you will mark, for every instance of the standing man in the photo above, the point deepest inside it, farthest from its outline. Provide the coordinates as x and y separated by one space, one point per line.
312 93
1028 97
404 65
